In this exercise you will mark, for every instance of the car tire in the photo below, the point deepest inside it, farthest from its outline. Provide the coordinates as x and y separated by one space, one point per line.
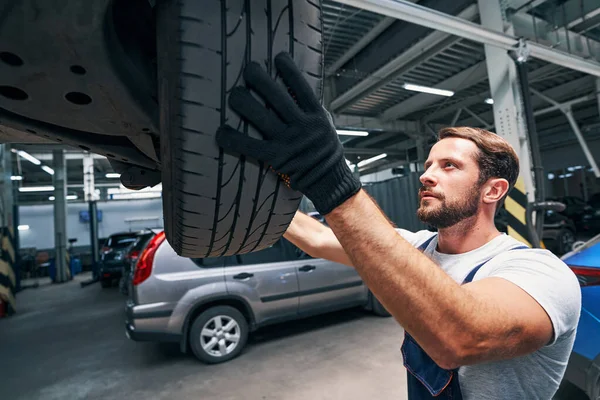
216 203
105 283
206 320
377 308
564 241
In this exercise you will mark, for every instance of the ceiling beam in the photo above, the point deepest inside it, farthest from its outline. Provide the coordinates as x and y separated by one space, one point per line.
344 121
557 92
380 138
573 12
480 97
361 44
373 151
375 167
518 4
68 156
453 25
464 79
541 31
415 55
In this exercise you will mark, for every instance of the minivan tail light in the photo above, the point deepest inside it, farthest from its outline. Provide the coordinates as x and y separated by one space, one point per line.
143 268
587 276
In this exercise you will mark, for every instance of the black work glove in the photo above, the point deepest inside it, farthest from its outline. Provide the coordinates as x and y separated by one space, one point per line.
300 140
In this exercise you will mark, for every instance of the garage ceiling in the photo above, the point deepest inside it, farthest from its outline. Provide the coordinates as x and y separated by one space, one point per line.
369 57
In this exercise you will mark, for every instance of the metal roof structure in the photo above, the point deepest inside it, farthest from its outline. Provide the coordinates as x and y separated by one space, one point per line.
444 61
369 58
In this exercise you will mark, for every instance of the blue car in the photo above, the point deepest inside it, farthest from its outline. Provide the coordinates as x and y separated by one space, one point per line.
583 370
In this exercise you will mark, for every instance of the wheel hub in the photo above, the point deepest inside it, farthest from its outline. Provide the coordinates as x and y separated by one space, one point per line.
220 336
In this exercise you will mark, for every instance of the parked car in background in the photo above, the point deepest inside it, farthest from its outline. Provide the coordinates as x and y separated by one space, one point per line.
558 235
583 370
584 215
132 256
113 255
210 305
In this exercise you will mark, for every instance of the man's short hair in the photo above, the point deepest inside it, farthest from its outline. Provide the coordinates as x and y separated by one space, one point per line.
496 157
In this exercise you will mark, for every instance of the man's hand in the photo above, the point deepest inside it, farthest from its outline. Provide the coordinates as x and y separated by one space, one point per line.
300 140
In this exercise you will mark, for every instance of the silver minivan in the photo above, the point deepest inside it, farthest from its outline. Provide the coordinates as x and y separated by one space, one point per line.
210 305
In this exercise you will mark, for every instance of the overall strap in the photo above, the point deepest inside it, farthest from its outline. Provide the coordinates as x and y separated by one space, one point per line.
424 245
471 275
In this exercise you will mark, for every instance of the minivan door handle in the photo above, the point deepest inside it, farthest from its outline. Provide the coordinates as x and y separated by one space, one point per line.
307 268
243 275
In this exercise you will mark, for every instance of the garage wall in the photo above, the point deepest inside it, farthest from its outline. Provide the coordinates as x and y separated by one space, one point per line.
398 199
115 214
568 156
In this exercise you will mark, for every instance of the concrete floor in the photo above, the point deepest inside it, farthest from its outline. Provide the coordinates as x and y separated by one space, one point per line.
68 342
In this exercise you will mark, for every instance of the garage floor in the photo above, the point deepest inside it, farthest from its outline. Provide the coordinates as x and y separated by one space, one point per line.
68 342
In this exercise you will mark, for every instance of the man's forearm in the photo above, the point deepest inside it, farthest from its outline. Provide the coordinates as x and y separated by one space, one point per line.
315 239
419 294
304 232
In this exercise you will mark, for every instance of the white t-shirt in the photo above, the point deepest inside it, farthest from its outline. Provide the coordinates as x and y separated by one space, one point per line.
544 277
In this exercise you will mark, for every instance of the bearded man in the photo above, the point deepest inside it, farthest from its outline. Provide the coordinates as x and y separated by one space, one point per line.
485 317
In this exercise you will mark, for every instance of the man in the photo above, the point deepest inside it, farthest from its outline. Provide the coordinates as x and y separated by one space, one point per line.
485 317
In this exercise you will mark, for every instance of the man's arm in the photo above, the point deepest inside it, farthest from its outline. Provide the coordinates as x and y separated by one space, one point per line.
487 320
316 239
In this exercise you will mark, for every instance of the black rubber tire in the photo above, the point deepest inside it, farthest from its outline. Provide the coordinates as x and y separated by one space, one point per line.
105 283
215 203
377 308
199 323
564 241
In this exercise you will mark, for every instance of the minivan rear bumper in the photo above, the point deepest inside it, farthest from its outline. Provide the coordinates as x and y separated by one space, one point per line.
134 332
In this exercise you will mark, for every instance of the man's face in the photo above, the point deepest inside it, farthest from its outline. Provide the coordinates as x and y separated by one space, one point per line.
450 191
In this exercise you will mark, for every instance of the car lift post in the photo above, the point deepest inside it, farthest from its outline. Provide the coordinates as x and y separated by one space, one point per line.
90 196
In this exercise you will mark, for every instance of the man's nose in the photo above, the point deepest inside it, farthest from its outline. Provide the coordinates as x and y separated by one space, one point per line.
428 178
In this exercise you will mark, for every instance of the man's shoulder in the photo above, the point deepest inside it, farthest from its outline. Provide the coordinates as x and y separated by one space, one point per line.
415 238
511 248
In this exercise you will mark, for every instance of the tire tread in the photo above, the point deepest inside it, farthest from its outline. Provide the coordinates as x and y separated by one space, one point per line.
250 203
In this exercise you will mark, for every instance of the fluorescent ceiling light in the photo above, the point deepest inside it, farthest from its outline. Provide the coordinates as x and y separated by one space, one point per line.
23 227
350 165
113 175
425 89
48 169
372 159
36 189
489 101
123 190
16 178
139 195
28 157
344 132
68 197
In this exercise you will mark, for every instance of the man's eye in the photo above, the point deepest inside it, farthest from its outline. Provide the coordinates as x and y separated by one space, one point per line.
449 164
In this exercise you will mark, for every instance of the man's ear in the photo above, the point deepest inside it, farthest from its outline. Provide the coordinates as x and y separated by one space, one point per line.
495 190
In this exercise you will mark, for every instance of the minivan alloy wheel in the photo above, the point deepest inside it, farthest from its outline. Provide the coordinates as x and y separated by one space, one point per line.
220 336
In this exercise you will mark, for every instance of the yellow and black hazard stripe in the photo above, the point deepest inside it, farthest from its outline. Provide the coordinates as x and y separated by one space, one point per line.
516 206
8 280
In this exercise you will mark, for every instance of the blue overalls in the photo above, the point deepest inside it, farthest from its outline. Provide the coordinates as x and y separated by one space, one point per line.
426 380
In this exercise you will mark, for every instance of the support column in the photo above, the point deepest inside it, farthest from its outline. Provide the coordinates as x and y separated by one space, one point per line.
89 190
60 216
8 252
598 93
509 119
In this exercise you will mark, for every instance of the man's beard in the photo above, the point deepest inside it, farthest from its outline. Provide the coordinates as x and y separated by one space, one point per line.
444 214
